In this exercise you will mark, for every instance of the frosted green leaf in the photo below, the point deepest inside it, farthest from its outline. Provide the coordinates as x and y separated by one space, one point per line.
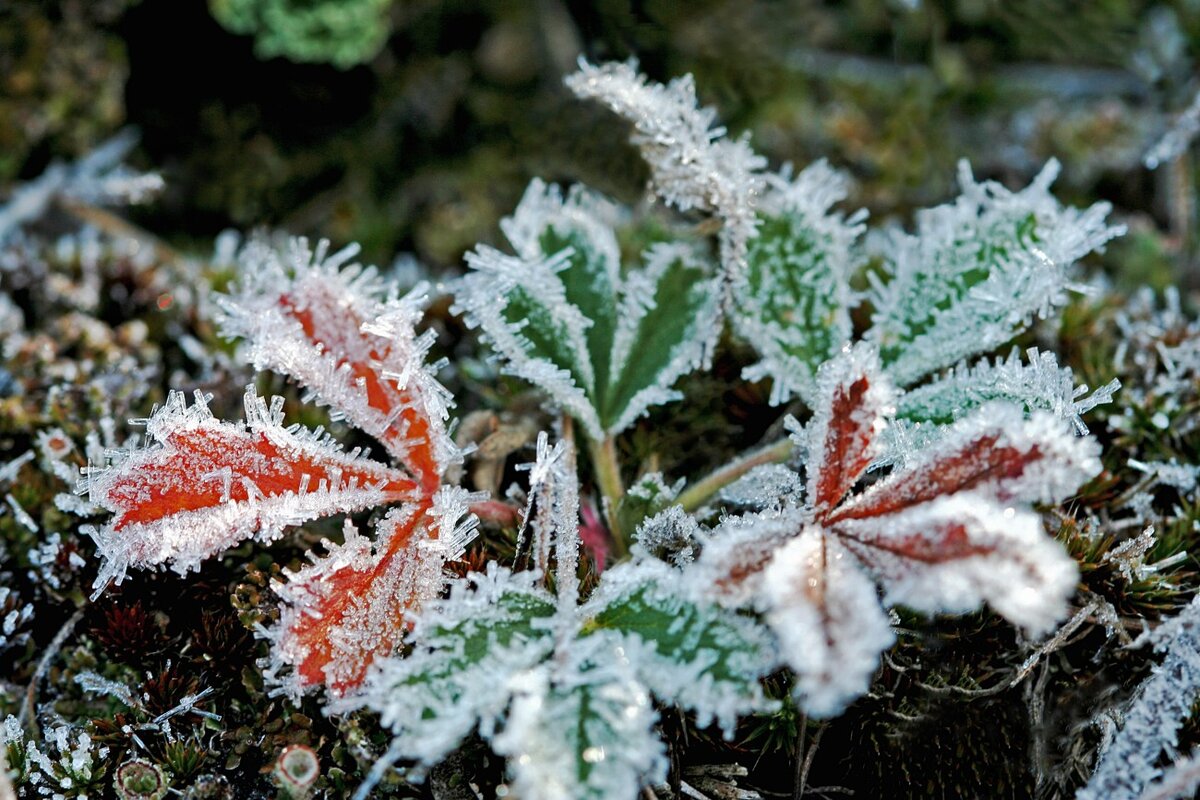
793 304
492 627
582 731
605 346
977 272
688 652
1035 383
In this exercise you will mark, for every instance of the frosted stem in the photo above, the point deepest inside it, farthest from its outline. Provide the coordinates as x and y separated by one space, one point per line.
608 479
698 494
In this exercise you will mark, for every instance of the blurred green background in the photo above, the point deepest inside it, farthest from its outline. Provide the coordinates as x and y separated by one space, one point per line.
413 125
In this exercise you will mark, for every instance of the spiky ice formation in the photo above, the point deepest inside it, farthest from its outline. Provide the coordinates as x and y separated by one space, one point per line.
564 690
692 164
794 302
976 272
1128 764
606 345
351 604
330 325
946 532
205 485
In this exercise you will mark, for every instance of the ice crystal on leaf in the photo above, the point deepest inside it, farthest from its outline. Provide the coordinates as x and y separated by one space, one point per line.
947 531
604 345
987 264
1036 383
692 163
204 485
795 299
562 689
1129 764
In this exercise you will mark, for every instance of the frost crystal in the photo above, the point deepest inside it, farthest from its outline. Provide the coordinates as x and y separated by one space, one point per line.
327 324
948 531
692 163
99 178
605 345
204 485
976 272
794 302
1129 764
1177 138
1036 383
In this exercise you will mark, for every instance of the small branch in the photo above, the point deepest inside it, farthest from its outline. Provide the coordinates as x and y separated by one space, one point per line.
699 493
608 479
117 227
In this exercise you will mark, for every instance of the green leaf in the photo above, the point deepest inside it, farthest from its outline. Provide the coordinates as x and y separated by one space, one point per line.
793 303
977 272
603 345
589 285
693 653
584 731
490 628
666 329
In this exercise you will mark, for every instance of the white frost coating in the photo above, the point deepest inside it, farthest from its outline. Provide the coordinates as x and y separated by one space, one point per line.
569 376
185 538
767 486
564 690
61 764
480 298
948 531
1128 766
358 325
826 613
99 178
1026 242
1038 382
976 551
436 696
581 731
1177 138
712 645
1063 463
808 199
413 573
692 164
867 418
693 352
554 487
1179 782
672 532
581 212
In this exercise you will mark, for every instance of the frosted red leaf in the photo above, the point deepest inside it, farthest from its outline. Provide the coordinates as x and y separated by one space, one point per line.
316 318
205 485
947 531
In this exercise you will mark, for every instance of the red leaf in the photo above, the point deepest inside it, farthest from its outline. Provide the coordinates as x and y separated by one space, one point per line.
312 320
853 398
352 605
205 485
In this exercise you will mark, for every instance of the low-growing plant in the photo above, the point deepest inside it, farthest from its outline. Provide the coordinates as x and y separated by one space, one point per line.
918 467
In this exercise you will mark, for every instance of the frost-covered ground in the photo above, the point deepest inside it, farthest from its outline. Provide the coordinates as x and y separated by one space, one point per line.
735 490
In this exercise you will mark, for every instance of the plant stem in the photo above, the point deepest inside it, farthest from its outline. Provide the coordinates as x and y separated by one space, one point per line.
608 478
698 493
